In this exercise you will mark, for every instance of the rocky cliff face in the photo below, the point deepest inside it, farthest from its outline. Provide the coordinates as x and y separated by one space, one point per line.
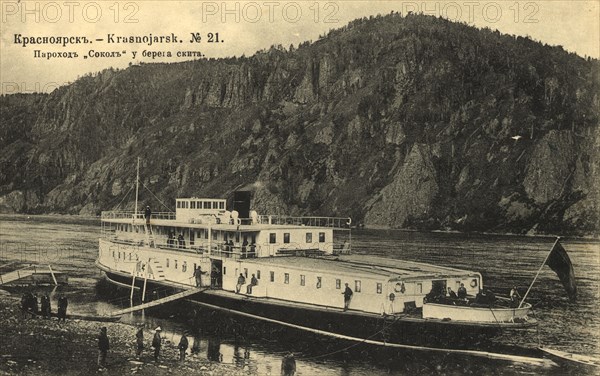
394 121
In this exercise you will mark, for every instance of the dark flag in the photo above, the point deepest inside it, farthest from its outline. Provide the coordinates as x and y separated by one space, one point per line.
559 261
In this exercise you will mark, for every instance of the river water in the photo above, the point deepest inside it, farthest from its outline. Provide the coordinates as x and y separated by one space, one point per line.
69 244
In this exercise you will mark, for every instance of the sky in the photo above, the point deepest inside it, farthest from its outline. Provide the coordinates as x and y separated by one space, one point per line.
232 28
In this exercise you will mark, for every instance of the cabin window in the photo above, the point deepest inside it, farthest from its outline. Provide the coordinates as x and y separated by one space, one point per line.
357 286
193 205
309 237
224 270
246 272
206 205
321 237
167 263
286 237
258 274
272 276
272 238
129 256
178 204
419 288
286 278
119 255
318 282
175 263
237 237
379 288
302 280
113 254
338 284
184 266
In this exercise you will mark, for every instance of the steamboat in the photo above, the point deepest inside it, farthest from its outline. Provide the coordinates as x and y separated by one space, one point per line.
298 271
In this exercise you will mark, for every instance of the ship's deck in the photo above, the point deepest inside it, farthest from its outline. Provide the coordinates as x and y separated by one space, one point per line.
364 266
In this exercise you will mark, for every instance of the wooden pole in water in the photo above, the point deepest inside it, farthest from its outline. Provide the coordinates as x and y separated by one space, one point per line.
538 272
132 284
52 274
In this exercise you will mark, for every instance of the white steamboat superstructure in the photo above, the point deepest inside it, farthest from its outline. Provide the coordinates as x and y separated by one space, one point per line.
293 269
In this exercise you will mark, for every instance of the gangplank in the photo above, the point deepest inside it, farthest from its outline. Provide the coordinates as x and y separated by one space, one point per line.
160 301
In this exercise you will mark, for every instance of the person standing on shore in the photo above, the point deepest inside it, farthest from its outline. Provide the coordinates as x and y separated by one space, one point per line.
139 341
62 308
183 346
103 347
156 343
288 365
46 310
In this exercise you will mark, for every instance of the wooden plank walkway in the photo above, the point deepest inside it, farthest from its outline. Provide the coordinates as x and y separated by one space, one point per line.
160 301
15 275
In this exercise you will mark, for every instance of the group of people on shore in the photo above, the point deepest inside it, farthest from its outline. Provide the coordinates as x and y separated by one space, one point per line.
156 345
31 305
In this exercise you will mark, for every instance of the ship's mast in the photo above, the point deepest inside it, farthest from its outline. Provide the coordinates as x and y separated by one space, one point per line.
137 188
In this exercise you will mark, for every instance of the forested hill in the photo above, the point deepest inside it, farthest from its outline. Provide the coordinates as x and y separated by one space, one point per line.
413 122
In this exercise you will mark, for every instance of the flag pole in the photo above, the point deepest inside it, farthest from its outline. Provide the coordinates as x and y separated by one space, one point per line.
538 272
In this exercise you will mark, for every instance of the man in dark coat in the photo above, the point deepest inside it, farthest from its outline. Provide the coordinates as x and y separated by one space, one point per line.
347 297
156 343
139 341
462 291
62 308
147 214
46 310
288 365
183 346
103 347
240 282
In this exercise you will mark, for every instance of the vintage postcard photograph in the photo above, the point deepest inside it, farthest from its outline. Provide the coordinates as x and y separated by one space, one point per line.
331 188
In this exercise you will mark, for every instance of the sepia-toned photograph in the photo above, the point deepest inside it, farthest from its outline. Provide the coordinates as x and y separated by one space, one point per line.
299 188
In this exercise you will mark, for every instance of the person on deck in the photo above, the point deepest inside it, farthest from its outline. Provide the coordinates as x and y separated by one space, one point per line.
514 295
103 346
245 248
252 253
347 297
253 282
147 214
198 275
462 291
451 294
181 240
183 346
156 343
240 282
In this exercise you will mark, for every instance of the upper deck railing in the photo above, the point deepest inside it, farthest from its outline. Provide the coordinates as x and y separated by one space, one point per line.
333 222
133 215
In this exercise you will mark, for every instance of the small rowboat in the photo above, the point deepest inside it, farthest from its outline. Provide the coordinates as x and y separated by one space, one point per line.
499 312
570 359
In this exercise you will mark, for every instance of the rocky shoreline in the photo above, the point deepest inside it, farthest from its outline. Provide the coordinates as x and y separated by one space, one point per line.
36 346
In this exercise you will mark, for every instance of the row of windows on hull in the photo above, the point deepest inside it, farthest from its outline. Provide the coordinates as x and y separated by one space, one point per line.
287 238
318 282
168 263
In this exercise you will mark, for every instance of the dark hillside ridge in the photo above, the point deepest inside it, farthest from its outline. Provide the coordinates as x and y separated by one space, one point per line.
395 121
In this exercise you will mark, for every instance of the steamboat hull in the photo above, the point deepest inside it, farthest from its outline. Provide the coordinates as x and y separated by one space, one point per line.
405 329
